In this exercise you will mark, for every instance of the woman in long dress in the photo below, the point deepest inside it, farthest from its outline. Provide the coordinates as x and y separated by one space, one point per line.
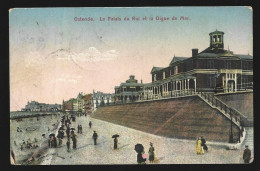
151 153
199 149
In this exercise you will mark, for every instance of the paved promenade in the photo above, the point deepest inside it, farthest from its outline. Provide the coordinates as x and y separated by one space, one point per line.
167 150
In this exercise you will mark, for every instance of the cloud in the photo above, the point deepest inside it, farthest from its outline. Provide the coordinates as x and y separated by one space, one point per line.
33 58
69 78
92 54
73 81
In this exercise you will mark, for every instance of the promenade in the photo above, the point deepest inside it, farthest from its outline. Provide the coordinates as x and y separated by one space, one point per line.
167 150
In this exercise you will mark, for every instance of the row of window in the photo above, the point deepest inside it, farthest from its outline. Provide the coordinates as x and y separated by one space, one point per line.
210 64
164 73
228 65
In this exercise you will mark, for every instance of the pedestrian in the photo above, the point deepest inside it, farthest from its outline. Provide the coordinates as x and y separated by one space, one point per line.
54 142
115 143
68 145
151 153
50 142
68 133
74 140
13 156
21 147
140 159
62 134
95 137
247 155
78 129
72 133
15 143
90 124
48 129
203 144
81 129
59 134
199 149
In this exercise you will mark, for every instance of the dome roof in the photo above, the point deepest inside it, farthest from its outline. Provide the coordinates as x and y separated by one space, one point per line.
216 32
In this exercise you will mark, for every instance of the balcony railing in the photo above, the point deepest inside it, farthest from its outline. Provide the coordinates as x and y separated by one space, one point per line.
230 112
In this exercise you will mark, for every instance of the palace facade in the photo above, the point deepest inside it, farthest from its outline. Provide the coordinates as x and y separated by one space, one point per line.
211 70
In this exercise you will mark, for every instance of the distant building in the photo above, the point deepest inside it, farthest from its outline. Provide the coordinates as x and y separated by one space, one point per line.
80 104
87 103
67 105
129 91
41 107
101 99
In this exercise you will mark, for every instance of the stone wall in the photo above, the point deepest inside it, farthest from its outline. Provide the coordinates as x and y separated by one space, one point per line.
243 102
185 118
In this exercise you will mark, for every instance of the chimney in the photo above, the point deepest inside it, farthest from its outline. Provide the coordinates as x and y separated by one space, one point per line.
195 52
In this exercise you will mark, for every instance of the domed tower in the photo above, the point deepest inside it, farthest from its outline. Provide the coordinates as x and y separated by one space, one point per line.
216 40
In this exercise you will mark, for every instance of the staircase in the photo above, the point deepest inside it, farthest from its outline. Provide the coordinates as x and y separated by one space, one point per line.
248 122
249 139
229 112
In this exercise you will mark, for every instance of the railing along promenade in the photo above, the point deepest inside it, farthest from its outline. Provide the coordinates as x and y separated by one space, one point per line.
20 115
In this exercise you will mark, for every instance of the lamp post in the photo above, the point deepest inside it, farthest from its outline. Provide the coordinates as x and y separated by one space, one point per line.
231 132
147 93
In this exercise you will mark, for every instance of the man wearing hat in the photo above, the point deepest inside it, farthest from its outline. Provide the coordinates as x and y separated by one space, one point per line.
247 155
95 137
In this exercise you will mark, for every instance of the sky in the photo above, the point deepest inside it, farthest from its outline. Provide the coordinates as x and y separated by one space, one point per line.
54 56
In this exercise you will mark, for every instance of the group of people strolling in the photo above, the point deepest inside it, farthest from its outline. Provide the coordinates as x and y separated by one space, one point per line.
28 144
71 135
141 157
19 129
201 146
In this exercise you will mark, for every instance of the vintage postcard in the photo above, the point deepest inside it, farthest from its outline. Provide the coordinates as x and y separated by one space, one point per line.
139 85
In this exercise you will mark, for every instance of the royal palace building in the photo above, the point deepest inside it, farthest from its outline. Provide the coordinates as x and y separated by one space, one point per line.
213 70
